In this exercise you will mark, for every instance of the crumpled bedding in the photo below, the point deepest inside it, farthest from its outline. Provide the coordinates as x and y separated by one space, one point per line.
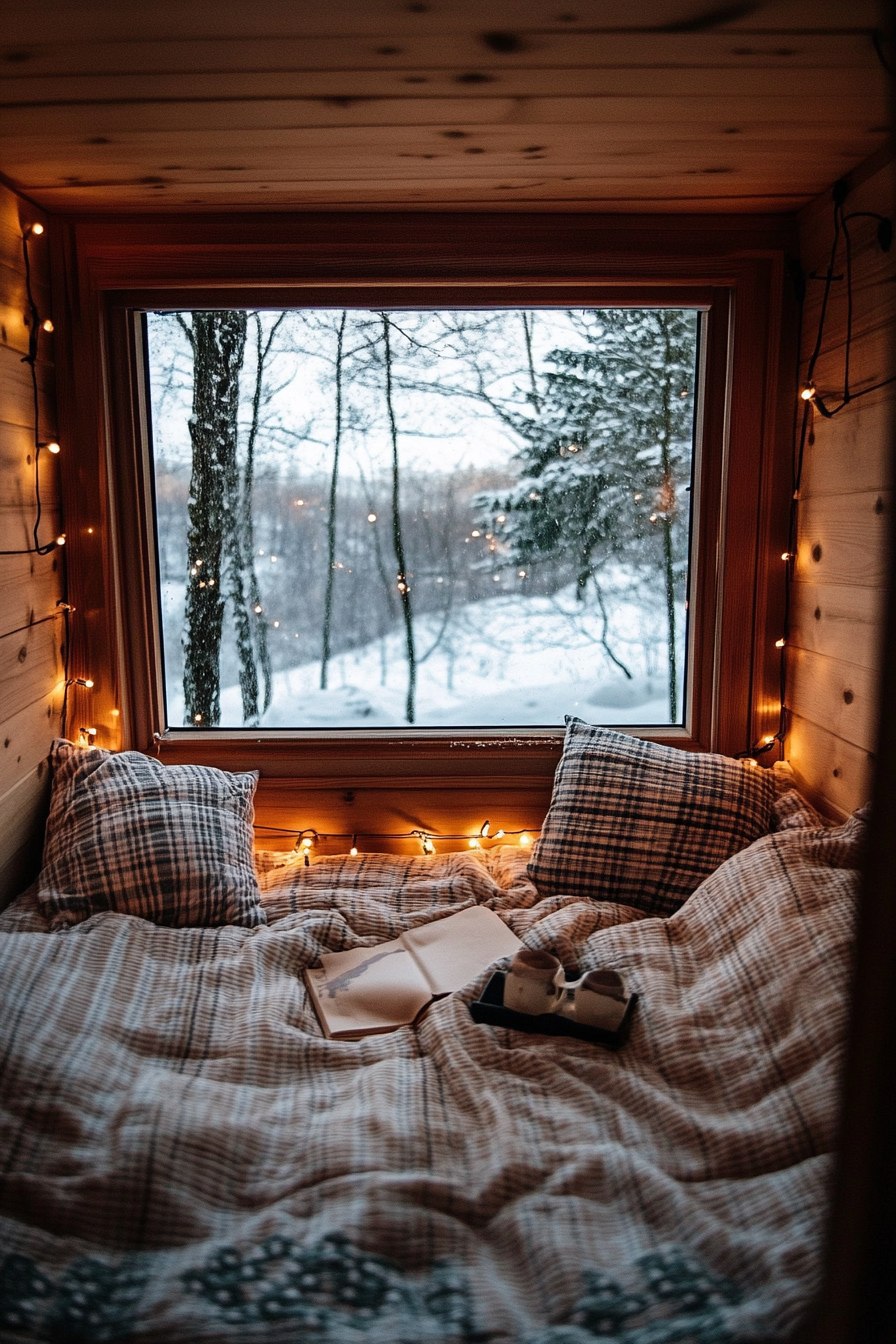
183 1155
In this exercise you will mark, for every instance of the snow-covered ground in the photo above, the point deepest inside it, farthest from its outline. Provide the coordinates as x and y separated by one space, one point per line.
503 662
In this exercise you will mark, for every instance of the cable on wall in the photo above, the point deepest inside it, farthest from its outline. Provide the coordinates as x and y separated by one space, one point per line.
35 327
811 401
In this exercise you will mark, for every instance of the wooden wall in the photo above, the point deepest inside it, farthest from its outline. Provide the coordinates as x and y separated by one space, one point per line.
31 629
843 512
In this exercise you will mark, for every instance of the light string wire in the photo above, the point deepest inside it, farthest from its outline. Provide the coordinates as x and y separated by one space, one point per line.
63 608
812 401
30 359
308 836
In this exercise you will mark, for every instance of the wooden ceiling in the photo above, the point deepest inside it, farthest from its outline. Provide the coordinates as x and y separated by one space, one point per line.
618 105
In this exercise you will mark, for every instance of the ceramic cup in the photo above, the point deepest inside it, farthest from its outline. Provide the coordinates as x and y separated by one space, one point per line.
535 983
600 1000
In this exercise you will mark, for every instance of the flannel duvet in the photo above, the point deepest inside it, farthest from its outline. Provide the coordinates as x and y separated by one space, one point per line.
184 1156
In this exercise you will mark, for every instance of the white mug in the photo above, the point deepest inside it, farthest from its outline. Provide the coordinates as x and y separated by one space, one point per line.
535 983
600 999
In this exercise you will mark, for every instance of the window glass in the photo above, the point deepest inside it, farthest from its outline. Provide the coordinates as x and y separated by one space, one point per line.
423 519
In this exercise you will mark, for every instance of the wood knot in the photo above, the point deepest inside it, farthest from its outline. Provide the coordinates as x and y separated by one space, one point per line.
23 654
816 552
848 697
348 796
878 505
836 772
818 613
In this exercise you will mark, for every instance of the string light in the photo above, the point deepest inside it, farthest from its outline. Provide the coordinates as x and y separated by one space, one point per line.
80 681
60 540
813 403
307 838
35 326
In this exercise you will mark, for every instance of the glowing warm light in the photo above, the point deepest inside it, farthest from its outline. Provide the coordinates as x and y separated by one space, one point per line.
807 392
768 739
60 540
37 228
197 718
501 518
371 517
779 643
52 447
90 531
298 503
498 834
276 625
273 559
787 555
522 573
525 840
306 843
116 713
475 533
750 763
47 325
474 843
258 609
354 851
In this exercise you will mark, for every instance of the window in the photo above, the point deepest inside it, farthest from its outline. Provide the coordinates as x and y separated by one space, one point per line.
402 518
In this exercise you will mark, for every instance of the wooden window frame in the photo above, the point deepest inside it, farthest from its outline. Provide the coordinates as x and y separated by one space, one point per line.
109 271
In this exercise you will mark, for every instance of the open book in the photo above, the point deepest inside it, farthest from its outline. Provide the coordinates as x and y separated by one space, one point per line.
375 989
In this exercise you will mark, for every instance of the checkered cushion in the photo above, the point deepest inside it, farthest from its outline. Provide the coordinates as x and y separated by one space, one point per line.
169 843
642 824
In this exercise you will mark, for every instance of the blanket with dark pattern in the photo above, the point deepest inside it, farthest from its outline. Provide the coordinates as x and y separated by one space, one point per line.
184 1156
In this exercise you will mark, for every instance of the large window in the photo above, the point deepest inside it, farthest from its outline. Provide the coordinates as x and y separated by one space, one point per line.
441 519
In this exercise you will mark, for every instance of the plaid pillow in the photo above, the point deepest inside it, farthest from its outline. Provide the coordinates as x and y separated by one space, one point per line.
169 843
641 824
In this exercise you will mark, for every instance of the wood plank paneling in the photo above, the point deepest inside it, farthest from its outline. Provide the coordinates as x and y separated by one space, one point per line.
23 809
456 806
842 567
839 694
842 538
436 105
853 450
25 737
839 620
31 630
836 774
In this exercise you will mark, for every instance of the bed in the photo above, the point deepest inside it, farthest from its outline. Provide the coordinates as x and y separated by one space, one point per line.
186 1157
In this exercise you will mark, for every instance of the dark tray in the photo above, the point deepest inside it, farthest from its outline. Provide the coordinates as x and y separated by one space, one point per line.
490 1008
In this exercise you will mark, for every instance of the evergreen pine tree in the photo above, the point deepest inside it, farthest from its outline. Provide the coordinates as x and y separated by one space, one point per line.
605 456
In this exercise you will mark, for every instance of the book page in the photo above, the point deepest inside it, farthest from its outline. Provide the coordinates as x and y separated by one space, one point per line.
451 952
367 989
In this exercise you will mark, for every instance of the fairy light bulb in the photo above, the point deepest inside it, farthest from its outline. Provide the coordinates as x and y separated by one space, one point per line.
60 540
52 447
768 739
525 840
499 835
371 517
807 393
484 829
780 643
197 718
474 842
787 555
37 229
47 325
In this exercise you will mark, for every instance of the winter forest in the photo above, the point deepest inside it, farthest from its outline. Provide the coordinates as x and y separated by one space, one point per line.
442 519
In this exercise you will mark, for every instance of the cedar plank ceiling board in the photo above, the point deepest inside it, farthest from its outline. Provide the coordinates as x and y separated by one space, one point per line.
617 105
